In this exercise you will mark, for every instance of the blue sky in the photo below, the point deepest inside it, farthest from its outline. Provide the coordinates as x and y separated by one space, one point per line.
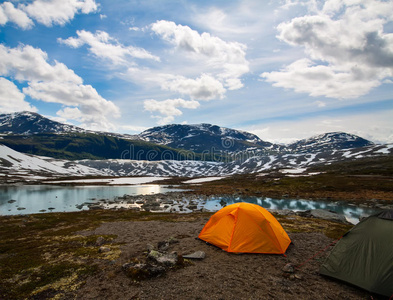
284 70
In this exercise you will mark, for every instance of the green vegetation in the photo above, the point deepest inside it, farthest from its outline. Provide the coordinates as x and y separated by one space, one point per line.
73 146
45 256
361 180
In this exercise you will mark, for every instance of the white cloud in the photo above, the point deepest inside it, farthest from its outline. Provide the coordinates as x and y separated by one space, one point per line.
11 99
228 59
26 63
58 12
168 108
47 12
348 51
105 47
88 121
8 13
55 83
205 87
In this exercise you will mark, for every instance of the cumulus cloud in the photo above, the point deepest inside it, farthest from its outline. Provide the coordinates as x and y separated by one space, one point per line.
26 63
47 12
348 52
227 58
205 87
9 13
55 83
105 47
169 109
11 98
58 12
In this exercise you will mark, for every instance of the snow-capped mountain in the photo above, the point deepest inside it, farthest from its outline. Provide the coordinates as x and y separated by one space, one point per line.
252 164
13 163
26 122
29 123
204 137
328 142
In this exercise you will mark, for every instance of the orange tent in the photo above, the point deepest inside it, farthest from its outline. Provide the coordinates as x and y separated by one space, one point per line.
247 228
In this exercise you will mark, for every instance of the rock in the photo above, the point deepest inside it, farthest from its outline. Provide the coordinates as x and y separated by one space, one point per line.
149 247
103 249
192 207
324 214
288 268
297 276
163 246
140 271
195 255
166 259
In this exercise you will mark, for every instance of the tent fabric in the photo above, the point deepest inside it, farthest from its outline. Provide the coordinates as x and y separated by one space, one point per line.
364 255
245 228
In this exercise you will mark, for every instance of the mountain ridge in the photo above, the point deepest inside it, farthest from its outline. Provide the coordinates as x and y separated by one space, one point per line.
32 133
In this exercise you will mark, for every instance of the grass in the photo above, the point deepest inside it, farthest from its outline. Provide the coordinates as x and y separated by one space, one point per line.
356 181
44 256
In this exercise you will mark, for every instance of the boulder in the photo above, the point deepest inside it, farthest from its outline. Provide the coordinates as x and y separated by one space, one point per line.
166 259
195 255
324 214
140 271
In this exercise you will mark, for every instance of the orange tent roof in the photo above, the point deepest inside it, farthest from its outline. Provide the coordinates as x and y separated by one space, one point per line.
247 228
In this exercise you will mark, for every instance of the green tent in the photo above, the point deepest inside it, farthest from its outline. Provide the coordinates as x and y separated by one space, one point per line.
364 255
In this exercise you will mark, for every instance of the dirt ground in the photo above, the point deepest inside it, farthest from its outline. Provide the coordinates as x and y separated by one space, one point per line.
220 275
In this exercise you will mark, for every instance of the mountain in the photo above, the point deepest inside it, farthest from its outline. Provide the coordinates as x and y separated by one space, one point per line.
34 134
18 165
204 137
287 163
328 142
79 145
13 163
26 123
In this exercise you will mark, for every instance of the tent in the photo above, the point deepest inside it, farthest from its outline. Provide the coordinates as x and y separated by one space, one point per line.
245 228
364 255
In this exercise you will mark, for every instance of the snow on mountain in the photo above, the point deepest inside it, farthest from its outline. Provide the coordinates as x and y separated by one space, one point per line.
255 164
13 163
31 123
328 141
203 137
16 163
28 123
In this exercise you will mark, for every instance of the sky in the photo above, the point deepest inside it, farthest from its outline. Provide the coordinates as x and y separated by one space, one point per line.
284 70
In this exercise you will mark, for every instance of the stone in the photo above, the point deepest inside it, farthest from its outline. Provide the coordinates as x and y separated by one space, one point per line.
324 214
163 246
103 249
140 271
288 268
167 259
195 255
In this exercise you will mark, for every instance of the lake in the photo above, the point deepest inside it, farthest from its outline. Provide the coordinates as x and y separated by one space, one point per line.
28 199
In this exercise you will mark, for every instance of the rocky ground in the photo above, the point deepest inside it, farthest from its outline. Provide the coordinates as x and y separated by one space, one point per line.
104 254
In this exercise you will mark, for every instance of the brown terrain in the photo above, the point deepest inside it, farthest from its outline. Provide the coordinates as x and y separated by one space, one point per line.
88 254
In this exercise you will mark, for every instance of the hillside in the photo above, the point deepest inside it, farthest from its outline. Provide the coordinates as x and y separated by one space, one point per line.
205 137
79 145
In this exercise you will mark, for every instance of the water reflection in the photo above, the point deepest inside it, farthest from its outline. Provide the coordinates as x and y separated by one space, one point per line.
351 212
40 198
43 198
